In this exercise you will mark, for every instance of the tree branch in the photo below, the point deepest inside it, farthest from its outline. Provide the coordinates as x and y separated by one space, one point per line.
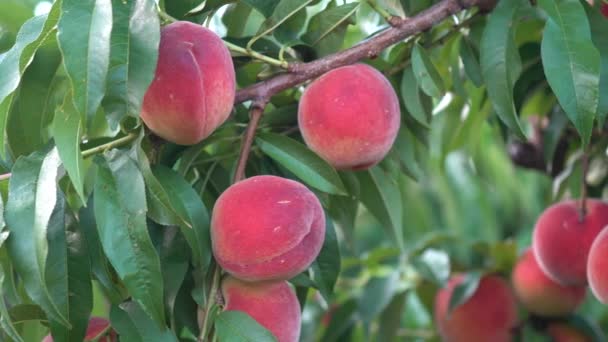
257 109
299 73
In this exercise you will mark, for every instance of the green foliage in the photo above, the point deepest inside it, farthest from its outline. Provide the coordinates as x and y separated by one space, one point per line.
103 217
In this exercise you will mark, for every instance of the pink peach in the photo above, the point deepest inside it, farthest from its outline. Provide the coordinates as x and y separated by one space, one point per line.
597 267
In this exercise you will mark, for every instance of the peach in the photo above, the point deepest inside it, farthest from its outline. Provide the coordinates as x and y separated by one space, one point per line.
272 304
350 117
194 85
604 9
562 332
97 330
597 267
562 239
540 294
490 314
267 228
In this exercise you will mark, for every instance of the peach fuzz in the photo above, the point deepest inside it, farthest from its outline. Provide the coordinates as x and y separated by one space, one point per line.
267 228
562 239
562 332
490 314
194 85
597 267
350 117
273 305
540 294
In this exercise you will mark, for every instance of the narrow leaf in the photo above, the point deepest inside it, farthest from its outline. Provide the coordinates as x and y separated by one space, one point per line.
410 93
237 326
84 39
599 35
571 62
120 209
284 10
326 267
134 41
304 163
5 320
134 325
31 201
427 75
501 63
67 132
470 62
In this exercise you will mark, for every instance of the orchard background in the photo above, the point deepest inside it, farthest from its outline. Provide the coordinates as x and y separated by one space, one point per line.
503 109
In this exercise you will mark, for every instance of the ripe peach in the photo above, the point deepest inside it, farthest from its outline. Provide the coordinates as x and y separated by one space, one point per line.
489 315
272 304
97 330
267 228
540 294
562 239
604 9
350 116
562 332
597 267
194 86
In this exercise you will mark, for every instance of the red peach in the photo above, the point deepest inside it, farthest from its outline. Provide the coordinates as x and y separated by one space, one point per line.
562 332
490 314
540 294
273 305
267 228
350 116
562 239
604 9
597 267
194 86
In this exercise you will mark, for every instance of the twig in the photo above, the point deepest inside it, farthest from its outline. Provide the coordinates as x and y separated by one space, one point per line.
257 109
115 143
210 301
165 16
302 72
391 19
257 55
585 170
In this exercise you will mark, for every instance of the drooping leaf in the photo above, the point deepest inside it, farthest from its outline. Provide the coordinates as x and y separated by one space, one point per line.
237 326
501 63
571 62
120 210
470 62
377 294
410 93
67 131
134 53
31 36
133 325
304 163
32 199
5 320
326 266
84 39
465 290
426 73
284 10
599 35
326 30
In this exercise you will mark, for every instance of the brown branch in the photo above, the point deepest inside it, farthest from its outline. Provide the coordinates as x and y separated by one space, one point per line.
257 109
299 73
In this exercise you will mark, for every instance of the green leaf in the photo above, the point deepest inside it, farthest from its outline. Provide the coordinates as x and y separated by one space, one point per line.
377 294
465 290
599 35
31 36
390 320
68 276
304 163
5 320
501 63
427 75
328 21
237 326
411 96
67 132
284 10
189 204
84 39
470 62
434 266
120 209
31 201
133 325
135 38
326 267
266 7
571 62
380 195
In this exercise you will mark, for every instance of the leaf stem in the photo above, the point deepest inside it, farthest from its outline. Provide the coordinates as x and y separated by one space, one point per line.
391 19
585 166
115 143
5 176
165 16
211 300
257 55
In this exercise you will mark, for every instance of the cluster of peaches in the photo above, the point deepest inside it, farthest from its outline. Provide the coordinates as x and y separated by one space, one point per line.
569 252
267 229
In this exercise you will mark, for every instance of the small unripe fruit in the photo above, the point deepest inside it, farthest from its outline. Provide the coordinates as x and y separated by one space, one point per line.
194 85
562 332
273 305
490 314
597 267
540 294
267 228
350 117
562 239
